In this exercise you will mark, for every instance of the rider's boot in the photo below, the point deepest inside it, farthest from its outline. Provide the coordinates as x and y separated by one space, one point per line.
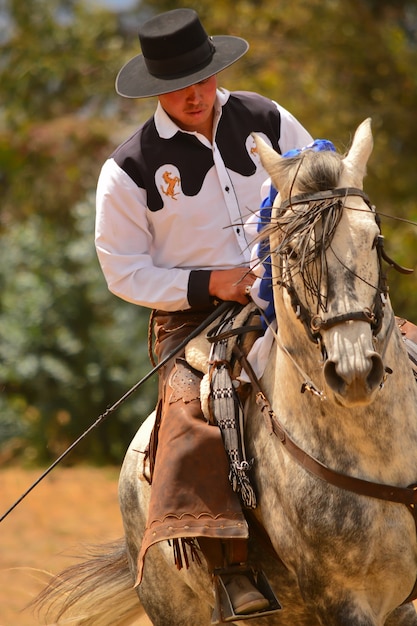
227 560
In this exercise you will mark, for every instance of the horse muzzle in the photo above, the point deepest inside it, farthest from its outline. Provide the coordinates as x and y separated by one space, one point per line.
353 371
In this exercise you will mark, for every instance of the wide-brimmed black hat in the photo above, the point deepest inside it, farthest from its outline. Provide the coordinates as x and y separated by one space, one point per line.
176 53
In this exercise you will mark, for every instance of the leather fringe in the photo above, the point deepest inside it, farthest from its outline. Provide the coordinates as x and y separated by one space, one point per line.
184 548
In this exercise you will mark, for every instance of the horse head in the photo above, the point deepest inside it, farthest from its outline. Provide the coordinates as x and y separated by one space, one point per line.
324 241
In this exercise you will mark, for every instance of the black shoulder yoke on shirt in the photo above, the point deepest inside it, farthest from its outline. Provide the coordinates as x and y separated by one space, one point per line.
145 151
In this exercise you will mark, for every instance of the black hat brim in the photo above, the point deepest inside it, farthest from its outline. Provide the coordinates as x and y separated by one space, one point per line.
134 80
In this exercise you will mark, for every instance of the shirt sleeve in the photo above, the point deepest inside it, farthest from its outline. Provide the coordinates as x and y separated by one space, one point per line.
124 247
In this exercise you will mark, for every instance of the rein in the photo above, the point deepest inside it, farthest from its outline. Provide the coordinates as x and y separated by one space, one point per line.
390 493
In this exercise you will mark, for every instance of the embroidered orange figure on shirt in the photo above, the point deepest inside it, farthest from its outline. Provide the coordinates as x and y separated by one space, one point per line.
172 182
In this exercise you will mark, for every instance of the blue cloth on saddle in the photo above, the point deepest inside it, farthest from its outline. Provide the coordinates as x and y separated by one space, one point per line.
263 252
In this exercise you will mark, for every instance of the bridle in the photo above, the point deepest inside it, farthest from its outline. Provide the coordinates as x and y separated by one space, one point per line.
315 323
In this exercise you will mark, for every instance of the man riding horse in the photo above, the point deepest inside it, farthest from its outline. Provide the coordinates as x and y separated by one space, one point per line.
182 253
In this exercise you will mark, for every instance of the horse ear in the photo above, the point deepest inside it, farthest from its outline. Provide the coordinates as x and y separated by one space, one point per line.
360 151
269 158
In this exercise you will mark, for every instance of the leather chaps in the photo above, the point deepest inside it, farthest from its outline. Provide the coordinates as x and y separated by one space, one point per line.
190 495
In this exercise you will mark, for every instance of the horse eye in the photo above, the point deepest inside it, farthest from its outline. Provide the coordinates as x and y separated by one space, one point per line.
376 241
290 253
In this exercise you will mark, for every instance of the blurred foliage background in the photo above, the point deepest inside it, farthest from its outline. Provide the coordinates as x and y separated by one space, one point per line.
68 348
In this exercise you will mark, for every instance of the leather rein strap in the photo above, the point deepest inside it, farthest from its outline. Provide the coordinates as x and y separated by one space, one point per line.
389 493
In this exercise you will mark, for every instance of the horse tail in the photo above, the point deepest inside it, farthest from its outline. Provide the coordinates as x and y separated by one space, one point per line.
95 592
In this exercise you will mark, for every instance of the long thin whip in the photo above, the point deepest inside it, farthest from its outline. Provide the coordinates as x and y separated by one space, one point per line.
222 308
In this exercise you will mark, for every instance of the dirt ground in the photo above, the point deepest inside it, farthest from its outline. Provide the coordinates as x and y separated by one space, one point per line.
69 508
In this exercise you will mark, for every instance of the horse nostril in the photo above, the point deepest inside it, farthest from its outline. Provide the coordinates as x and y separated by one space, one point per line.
348 382
376 373
333 379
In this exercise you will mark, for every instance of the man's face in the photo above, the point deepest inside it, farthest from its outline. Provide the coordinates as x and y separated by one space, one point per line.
191 108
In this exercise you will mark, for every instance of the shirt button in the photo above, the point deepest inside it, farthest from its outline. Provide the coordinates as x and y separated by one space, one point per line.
227 189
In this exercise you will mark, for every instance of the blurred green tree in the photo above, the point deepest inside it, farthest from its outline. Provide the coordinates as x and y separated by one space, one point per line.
68 348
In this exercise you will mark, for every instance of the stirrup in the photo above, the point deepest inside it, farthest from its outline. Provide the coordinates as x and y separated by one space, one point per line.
223 609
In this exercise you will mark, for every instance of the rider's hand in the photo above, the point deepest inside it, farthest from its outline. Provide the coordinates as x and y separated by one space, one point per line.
231 285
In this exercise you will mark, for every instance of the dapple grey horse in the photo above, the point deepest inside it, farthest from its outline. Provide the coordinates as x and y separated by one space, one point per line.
332 429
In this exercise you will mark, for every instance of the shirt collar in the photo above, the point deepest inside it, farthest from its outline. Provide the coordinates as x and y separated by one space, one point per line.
166 128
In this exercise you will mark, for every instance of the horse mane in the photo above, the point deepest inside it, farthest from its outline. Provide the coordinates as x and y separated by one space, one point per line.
311 171
311 224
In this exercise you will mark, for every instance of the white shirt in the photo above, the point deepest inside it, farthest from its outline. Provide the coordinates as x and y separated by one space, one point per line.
148 248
